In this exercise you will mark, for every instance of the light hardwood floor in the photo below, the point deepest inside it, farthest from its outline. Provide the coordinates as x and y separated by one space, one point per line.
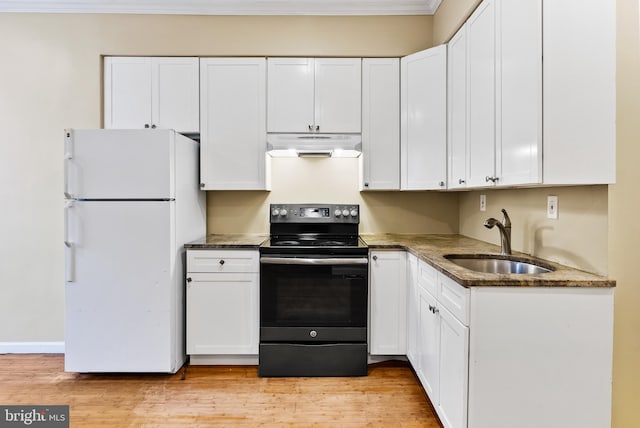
230 396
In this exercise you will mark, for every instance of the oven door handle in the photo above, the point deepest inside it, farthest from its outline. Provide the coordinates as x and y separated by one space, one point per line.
316 262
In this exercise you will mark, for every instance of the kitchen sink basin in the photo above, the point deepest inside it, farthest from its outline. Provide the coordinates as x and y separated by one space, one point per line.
491 263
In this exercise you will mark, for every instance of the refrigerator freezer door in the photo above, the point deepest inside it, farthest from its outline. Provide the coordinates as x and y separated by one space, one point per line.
119 164
123 304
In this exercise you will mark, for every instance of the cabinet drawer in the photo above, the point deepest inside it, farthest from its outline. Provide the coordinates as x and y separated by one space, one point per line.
428 278
223 261
454 297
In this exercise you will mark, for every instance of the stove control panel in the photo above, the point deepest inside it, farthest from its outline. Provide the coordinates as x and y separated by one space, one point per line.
315 213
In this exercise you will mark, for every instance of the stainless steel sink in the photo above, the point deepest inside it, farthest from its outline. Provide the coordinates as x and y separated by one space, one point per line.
491 263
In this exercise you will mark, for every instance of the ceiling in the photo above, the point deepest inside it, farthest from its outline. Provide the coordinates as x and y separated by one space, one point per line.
227 7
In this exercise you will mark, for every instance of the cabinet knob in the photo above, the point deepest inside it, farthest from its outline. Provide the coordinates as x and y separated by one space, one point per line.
221 262
366 184
189 280
153 126
317 127
461 181
375 258
487 179
146 125
441 184
310 128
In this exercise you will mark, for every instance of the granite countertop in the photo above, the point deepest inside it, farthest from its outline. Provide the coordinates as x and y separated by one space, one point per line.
432 248
234 240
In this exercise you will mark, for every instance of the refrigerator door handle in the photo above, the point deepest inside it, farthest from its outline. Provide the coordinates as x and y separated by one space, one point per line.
69 249
68 156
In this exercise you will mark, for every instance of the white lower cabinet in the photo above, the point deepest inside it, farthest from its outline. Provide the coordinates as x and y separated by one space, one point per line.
222 302
443 348
387 324
504 357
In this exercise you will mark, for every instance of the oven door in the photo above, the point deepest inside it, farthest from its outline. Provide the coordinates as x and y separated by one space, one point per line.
322 293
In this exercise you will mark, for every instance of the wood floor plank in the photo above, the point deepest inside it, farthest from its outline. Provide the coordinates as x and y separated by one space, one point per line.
390 396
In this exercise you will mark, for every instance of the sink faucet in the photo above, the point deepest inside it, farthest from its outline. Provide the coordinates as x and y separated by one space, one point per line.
505 231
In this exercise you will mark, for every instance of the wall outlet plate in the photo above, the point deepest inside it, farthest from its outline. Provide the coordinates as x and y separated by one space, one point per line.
552 207
483 202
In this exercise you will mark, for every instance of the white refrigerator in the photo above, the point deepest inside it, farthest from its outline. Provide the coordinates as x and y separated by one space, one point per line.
132 199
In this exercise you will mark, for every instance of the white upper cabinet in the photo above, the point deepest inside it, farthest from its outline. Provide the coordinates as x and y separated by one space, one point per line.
579 93
481 58
233 118
380 159
423 106
314 95
457 110
525 116
519 92
150 92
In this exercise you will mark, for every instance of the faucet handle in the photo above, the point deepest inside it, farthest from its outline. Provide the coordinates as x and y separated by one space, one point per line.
506 221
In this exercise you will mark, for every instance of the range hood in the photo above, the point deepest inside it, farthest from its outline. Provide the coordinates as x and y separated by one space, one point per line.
314 145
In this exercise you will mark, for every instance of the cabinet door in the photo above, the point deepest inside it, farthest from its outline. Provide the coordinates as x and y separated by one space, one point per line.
175 94
454 370
233 137
457 110
429 345
380 157
424 120
388 303
127 93
413 305
222 313
481 47
338 97
291 92
519 94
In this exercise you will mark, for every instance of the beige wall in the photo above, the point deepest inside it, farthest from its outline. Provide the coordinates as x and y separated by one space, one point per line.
50 79
577 238
624 227
449 18
332 180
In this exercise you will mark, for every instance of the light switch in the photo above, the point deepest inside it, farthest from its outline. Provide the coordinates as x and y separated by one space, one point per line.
552 206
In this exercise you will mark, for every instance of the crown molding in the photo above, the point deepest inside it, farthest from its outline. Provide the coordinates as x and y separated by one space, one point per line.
227 7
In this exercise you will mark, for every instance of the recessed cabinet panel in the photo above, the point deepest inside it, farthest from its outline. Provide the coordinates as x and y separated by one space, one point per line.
233 118
424 120
481 42
338 95
388 320
380 159
291 91
457 110
176 85
519 92
127 93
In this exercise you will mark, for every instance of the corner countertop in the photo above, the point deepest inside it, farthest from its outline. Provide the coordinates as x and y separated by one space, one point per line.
234 240
432 248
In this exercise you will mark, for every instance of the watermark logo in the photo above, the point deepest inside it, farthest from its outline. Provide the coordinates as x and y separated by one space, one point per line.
34 416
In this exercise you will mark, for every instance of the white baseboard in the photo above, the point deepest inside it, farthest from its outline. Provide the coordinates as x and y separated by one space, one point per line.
31 347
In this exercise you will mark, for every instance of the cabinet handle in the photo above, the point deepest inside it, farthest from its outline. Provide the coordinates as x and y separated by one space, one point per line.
374 258
146 125
492 179
202 185
221 262
487 179
461 181
189 280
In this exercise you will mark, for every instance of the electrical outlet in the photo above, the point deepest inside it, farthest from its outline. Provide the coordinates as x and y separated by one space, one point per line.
552 206
483 202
